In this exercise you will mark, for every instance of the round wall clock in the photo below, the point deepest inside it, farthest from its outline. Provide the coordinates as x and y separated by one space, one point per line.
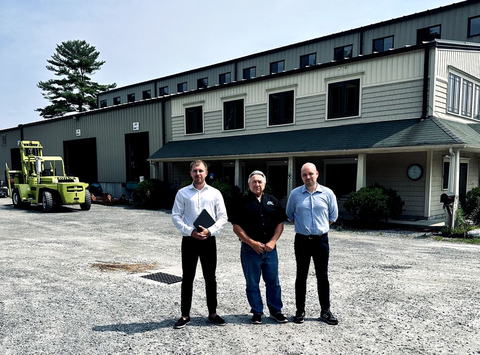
415 172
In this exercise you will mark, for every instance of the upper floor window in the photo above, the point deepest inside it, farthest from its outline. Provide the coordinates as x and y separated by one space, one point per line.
249 73
103 103
147 94
474 26
194 120
117 101
233 115
344 52
382 44
202 83
224 78
181 87
428 34
163 91
463 97
280 106
131 98
308 60
344 99
4 139
277 67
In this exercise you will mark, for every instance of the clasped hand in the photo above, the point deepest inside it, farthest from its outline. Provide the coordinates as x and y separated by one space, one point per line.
261 248
202 235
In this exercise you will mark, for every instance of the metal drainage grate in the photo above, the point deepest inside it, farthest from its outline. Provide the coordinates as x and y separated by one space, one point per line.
162 277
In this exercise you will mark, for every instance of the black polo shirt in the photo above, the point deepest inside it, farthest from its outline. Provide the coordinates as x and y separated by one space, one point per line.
257 218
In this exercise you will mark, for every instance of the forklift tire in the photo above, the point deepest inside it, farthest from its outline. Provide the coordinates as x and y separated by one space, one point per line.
17 201
88 201
47 201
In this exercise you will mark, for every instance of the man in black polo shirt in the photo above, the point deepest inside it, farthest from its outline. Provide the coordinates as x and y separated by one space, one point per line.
257 220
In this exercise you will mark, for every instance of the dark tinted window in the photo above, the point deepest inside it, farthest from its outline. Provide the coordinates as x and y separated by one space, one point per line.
233 115
202 83
131 97
116 101
428 34
343 52
474 26
224 78
194 120
182 87
147 94
280 108
249 73
308 60
382 44
343 99
277 67
163 91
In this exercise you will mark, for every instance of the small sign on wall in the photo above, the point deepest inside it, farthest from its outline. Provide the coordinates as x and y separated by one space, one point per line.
136 126
78 132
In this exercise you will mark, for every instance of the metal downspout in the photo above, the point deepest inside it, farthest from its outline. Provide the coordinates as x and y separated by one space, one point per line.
426 69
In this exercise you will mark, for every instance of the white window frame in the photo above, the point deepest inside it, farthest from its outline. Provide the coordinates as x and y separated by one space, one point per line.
464 90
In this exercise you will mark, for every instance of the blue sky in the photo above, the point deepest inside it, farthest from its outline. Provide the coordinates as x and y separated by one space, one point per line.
143 40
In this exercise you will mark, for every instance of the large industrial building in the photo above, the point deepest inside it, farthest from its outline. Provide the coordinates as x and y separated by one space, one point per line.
395 103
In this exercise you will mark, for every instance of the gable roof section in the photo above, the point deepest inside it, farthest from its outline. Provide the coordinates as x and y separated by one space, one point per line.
378 135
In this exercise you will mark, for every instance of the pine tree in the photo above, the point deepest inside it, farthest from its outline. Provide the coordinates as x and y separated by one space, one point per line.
73 62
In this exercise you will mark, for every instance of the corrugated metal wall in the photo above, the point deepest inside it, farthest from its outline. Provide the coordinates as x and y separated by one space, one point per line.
109 127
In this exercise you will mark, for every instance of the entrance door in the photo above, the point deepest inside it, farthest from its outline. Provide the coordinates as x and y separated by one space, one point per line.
136 154
463 181
81 159
278 180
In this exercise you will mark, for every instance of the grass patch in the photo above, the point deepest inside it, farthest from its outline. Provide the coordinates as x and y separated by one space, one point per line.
130 267
458 240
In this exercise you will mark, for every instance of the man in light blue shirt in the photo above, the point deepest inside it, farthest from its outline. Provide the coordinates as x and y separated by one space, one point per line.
312 208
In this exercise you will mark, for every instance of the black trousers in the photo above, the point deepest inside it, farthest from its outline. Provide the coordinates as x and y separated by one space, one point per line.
316 247
192 250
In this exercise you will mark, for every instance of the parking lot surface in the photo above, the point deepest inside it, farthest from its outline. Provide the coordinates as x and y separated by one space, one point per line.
394 292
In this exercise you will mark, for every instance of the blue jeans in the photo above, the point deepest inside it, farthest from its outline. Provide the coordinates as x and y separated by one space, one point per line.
265 264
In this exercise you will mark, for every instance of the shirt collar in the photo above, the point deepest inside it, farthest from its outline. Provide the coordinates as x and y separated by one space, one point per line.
317 189
205 187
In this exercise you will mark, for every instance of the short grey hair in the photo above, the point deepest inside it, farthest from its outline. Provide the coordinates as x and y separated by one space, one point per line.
256 172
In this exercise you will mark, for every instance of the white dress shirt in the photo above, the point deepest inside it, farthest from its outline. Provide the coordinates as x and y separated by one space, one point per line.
189 202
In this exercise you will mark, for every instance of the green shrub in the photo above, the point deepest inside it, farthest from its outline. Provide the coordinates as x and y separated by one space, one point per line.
471 205
153 194
462 226
373 204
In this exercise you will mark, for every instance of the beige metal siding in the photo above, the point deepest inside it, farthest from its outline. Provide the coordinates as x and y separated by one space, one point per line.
392 101
390 170
391 89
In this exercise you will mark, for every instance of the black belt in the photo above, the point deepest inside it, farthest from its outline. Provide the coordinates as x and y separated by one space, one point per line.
313 236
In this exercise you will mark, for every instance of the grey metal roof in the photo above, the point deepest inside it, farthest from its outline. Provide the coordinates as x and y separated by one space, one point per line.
378 135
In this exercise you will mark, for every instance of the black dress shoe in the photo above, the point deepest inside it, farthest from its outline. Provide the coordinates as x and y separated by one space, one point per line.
181 323
327 317
217 320
299 317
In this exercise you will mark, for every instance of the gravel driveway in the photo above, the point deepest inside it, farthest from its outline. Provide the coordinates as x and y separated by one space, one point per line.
394 292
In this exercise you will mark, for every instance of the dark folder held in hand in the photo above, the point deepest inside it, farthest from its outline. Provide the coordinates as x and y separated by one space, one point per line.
204 219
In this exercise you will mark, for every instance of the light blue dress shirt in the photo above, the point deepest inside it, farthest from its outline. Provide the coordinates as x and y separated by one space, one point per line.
312 212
